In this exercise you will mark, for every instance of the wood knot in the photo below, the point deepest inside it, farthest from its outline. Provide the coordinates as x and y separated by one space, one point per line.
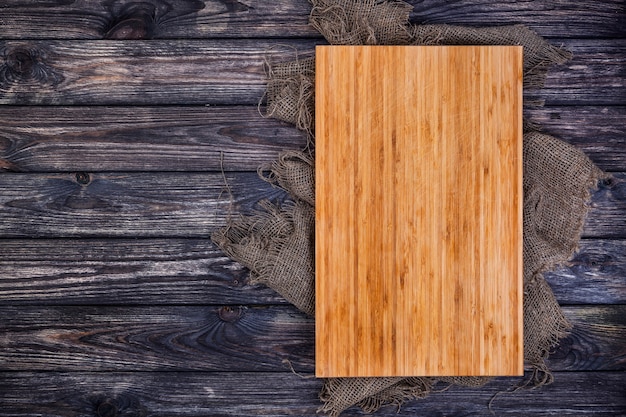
107 408
6 165
230 314
121 406
134 21
608 182
82 178
7 153
21 61
142 19
26 64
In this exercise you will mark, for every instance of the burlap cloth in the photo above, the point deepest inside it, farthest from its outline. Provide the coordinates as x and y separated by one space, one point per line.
277 242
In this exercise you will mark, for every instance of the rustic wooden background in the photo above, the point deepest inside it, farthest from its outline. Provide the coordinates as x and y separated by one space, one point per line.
117 118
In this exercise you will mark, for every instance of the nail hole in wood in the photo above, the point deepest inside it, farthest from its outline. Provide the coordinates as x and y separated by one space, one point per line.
230 314
82 178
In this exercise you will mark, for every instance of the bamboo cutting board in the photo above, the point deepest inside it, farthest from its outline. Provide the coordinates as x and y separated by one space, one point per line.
418 211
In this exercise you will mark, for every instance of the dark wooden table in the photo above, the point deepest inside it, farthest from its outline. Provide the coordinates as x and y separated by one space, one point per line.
116 123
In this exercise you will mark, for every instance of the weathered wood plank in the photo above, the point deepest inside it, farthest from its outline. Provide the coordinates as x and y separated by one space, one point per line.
599 333
148 338
595 275
193 138
561 18
608 207
594 70
599 131
125 205
180 204
141 139
158 19
141 72
196 394
155 338
89 19
231 72
194 271
118 271
568 396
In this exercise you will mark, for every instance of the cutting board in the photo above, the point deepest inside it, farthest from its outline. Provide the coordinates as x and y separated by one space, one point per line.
418 211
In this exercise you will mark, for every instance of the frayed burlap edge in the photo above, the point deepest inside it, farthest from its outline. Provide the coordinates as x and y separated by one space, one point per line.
375 392
294 172
548 162
276 242
362 22
291 92
291 85
378 392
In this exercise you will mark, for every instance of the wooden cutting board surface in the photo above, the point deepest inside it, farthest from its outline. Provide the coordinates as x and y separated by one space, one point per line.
418 211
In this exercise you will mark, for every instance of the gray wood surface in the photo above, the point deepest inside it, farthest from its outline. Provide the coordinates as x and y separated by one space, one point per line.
607 212
169 138
90 19
595 74
94 19
201 394
126 204
594 275
124 128
199 72
557 18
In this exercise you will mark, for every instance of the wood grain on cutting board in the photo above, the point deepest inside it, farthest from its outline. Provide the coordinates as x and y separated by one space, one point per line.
418 210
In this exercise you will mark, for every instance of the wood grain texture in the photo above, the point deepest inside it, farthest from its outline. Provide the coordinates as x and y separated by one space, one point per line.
230 338
418 211
560 18
608 206
230 72
155 19
200 394
137 146
121 271
595 275
146 338
600 66
94 19
194 271
125 204
103 139
186 72
599 131
597 341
